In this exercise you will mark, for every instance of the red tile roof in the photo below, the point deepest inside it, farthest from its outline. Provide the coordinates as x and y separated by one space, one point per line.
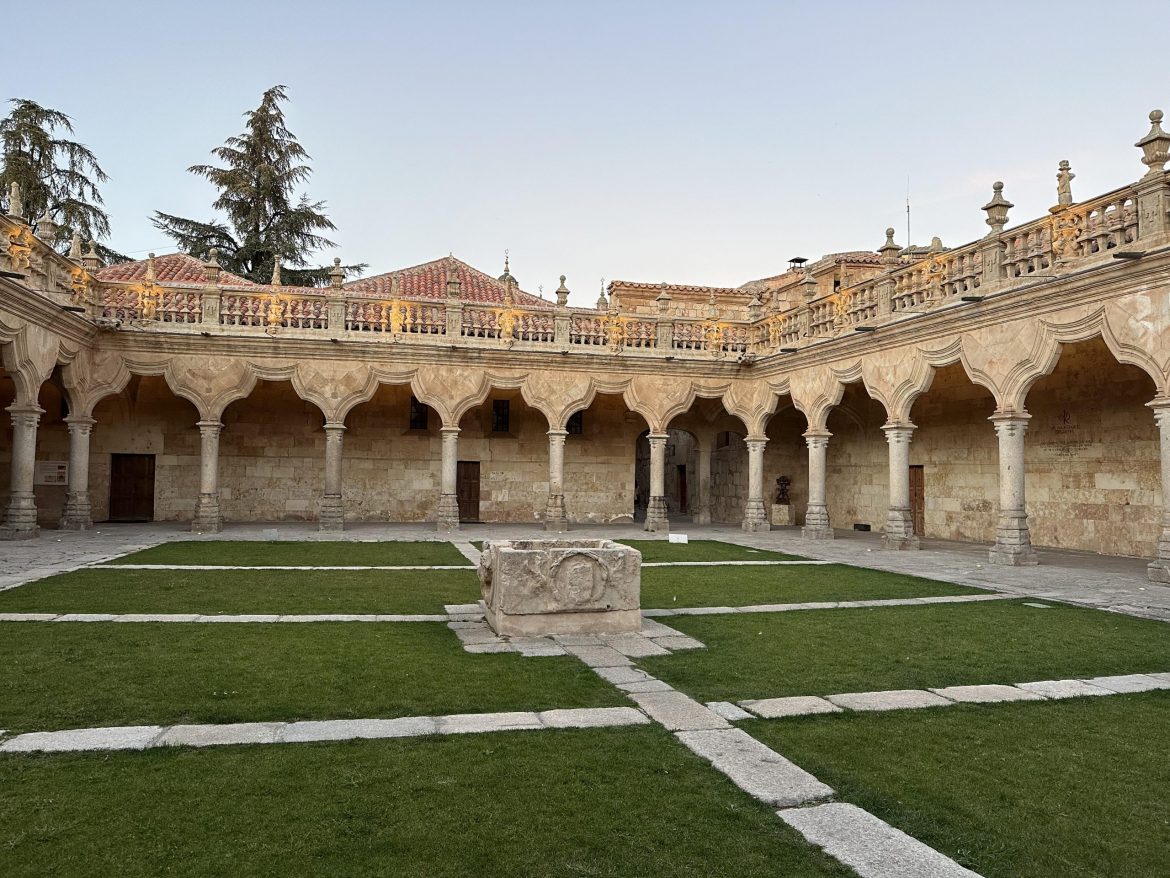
170 268
429 281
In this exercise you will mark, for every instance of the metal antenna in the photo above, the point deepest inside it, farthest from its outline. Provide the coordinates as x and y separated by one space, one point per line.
909 241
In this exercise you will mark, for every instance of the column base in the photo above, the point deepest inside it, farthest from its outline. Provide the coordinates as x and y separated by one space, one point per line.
899 535
816 524
555 520
656 518
447 519
1158 570
21 523
331 518
1013 544
207 518
755 517
78 514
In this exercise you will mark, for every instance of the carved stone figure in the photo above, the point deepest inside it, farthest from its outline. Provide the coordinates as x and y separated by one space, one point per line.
1064 178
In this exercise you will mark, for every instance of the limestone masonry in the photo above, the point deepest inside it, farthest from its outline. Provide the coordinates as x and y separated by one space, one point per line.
1014 390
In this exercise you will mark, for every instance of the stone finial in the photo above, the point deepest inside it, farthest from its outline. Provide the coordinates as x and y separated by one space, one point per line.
755 307
510 291
276 273
808 285
395 286
507 275
336 274
562 294
663 298
90 258
1064 178
454 285
15 202
1155 146
75 247
889 250
936 243
211 266
150 276
602 302
46 228
997 209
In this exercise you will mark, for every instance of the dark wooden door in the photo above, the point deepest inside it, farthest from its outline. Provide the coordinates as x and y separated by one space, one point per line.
132 487
683 506
918 499
467 489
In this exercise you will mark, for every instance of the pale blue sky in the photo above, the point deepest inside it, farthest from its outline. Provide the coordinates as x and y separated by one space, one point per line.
691 142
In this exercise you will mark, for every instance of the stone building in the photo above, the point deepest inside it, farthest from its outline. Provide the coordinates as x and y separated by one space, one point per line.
1014 390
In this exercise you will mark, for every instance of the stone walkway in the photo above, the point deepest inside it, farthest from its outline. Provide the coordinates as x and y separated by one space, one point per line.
1100 581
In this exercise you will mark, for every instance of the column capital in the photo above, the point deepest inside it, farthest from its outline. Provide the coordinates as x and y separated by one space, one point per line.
899 434
1161 407
449 431
755 441
202 425
657 437
817 434
17 409
79 421
558 434
1010 417
334 427
906 426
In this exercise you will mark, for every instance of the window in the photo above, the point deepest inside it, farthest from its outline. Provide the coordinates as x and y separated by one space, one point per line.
500 416
576 424
418 415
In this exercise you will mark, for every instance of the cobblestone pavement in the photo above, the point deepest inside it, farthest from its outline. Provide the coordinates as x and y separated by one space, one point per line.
1101 581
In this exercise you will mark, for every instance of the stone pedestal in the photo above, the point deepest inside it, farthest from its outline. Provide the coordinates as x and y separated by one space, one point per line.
782 515
537 587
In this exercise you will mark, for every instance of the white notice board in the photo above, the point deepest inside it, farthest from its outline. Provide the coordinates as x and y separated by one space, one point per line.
51 472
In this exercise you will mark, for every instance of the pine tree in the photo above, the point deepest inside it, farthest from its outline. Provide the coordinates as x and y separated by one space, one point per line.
265 220
54 173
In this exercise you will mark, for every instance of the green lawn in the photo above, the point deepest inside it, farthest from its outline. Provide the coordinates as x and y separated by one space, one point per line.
291 554
665 587
612 802
1062 789
75 674
98 590
703 550
822 652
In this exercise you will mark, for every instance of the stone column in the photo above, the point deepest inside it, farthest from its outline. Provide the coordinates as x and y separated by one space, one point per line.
447 516
21 522
1013 544
554 512
207 518
78 514
899 519
755 516
816 519
656 519
1159 568
332 514
702 513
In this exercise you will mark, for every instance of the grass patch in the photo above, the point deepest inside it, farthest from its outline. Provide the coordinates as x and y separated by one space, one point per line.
1066 788
95 590
822 652
74 674
614 802
296 553
743 586
703 550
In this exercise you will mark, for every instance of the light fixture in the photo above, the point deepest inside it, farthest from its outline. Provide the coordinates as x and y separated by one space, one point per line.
971 298
1129 254
789 350
865 329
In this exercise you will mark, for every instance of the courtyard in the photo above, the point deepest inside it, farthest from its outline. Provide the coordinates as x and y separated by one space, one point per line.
269 700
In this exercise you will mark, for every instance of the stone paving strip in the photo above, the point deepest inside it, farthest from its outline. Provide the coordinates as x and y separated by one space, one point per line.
809 562
596 650
868 845
909 699
468 551
222 618
828 605
279 567
144 737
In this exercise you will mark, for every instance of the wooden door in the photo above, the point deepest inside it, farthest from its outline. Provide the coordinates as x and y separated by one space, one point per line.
683 506
131 487
467 489
918 499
